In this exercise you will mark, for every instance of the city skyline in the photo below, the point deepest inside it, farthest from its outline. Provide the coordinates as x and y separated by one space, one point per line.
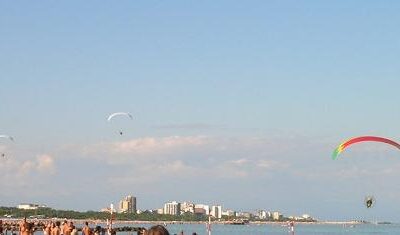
239 102
128 205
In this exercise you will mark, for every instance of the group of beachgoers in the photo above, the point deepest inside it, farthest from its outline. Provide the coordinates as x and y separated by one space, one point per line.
68 228
49 228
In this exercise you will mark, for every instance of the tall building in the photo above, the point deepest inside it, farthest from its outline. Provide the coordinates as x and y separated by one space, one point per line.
262 214
127 205
276 215
216 212
172 208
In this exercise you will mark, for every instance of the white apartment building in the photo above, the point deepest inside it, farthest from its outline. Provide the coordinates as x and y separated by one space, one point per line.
172 208
216 211
229 213
30 206
276 215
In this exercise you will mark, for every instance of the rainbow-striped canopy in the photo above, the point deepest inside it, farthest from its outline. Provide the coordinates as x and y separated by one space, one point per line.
354 140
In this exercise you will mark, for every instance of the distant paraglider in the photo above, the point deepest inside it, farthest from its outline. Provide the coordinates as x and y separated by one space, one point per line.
3 155
369 201
7 137
355 140
114 115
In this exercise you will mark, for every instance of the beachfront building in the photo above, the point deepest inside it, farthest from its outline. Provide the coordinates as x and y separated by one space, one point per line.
262 214
187 207
30 206
304 217
160 211
216 211
243 214
276 215
202 208
200 211
127 205
229 213
110 209
172 208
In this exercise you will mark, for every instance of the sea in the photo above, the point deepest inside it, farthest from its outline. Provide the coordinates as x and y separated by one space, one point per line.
268 229
277 229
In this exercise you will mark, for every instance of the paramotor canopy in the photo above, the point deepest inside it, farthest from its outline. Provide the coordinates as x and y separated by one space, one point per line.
119 114
359 139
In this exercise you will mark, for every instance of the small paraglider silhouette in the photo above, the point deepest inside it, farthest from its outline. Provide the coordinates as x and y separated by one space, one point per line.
123 114
369 201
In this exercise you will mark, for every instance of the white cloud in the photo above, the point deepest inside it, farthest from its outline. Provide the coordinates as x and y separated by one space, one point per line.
45 164
270 164
156 145
17 169
146 146
239 161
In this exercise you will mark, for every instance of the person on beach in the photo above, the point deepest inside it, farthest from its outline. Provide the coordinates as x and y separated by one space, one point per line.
68 228
157 230
97 230
291 227
55 229
22 226
74 230
141 231
63 227
86 230
47 229
27 229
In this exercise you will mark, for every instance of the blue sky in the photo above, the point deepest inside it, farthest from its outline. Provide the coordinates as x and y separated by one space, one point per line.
214 87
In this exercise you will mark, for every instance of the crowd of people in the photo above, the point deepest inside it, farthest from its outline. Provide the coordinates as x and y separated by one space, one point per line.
50 228
68 228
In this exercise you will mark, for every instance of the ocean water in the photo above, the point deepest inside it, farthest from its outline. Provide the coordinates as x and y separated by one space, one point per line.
277 229
269 229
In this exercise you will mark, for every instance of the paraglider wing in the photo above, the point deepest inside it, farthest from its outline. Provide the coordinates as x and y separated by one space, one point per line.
355 140
7 137
369 201
119 114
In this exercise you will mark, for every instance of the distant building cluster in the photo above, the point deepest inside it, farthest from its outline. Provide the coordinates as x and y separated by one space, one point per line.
178 208
129 205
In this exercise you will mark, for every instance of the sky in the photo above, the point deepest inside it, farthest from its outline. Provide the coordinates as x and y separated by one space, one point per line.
234 103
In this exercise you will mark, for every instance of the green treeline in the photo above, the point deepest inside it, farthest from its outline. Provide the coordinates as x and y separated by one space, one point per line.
69 214
49 213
